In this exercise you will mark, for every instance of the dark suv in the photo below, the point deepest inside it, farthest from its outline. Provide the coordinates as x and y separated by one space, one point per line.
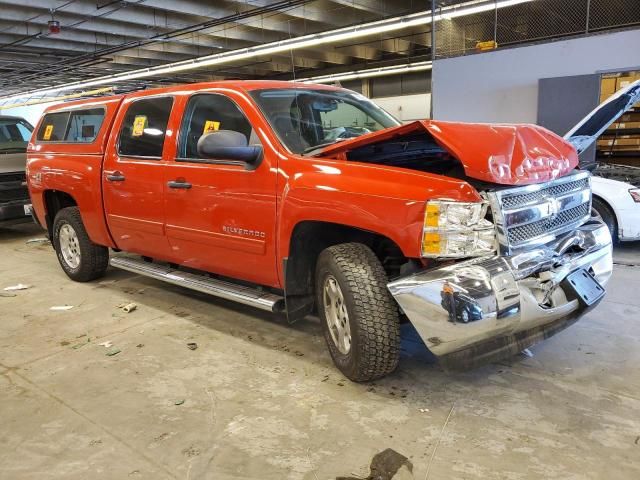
15 205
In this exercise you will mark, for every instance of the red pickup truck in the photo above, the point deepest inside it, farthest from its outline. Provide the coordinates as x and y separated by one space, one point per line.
300 198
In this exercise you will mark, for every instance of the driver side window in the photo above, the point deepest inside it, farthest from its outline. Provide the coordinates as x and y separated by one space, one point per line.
206 113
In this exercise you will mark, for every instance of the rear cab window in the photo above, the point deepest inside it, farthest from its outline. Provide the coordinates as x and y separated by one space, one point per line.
84 125
76 126
144 128
53 127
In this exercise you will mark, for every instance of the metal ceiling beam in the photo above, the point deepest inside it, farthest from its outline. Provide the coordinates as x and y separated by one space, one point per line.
148 15
84 32
379 7
204 46
196 8
79 41
118 37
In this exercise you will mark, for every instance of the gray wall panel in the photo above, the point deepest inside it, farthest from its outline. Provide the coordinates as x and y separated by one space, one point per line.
563 101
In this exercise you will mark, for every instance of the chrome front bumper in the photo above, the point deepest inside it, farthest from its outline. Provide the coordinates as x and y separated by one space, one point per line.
494 306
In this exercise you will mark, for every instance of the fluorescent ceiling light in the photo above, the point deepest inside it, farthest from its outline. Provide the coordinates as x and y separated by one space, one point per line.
371 72
465 9
312 40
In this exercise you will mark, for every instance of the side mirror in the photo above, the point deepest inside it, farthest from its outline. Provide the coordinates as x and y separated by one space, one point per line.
228 145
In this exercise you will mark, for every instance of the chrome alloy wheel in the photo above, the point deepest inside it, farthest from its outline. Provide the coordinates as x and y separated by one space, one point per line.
69 245
336 315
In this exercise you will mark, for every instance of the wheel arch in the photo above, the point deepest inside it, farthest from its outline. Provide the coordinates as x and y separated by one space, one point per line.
609 205
92 214
308 239
54 201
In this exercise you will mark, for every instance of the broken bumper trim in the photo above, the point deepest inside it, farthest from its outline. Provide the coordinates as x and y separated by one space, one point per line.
490 307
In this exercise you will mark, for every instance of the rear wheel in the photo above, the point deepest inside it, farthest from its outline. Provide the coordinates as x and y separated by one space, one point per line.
80 258
603 211
359 317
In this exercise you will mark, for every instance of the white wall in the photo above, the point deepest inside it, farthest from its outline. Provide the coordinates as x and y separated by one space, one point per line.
407 107
502 86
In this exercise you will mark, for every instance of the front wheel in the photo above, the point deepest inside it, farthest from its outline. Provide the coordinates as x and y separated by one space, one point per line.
80 258
358 314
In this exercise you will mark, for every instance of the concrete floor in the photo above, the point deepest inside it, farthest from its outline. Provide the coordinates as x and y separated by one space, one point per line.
259 399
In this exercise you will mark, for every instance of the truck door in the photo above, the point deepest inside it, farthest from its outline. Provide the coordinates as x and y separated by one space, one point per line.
221 214
133 177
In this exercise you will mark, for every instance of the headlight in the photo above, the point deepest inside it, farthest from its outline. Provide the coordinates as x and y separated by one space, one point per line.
457 229
635 194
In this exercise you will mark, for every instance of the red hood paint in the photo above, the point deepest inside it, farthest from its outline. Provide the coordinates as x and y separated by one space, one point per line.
505 154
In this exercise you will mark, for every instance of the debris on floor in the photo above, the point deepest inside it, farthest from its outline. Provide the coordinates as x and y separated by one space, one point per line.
127 307
82 344
61 308
526 353
192 345
19 286
38 241
423 410
387 465
191 451
106 344
113 352
179 402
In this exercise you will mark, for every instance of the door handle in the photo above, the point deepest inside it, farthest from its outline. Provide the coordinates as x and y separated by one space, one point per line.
180 183
115 177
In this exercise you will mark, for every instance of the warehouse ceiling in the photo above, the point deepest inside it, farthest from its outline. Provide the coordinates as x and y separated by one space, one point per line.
98 38
106 37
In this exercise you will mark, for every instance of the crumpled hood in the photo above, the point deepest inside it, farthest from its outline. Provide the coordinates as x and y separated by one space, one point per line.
505 154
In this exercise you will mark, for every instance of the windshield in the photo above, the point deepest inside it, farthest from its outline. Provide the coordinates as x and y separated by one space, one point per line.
306 119
14 135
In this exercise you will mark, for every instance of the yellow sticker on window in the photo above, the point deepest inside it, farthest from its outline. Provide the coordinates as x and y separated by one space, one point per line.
210 126
48 130
138 125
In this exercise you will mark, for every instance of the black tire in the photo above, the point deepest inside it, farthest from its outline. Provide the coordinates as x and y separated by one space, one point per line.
372 312
465 315
605 212
94 259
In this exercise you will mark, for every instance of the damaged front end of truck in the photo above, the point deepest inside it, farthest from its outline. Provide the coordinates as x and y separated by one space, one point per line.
546 267
517 267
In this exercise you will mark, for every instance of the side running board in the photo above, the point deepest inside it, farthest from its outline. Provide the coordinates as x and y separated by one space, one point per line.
201 283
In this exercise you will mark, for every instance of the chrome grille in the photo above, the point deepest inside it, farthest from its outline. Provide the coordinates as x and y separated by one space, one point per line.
537 229
535 214
519 200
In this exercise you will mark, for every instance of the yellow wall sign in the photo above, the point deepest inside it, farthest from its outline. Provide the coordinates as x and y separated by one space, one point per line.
210 126
48 130
138 125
